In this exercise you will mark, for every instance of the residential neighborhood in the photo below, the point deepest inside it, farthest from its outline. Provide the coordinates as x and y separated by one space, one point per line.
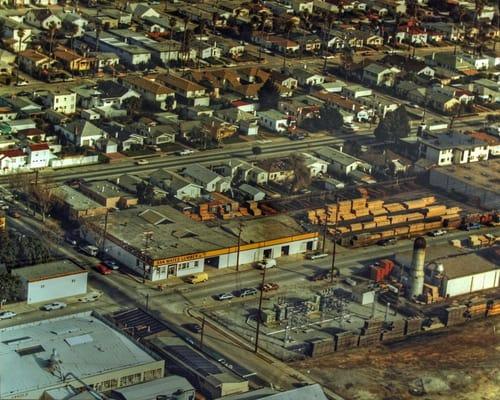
245 200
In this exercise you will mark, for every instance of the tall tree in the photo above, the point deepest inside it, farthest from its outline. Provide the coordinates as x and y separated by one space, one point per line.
10 287
269 95
52 34
302 174
347 59
396 124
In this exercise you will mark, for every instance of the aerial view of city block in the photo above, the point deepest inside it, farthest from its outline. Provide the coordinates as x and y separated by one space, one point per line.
250 199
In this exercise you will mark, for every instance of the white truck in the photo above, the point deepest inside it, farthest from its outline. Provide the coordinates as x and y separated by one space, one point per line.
267 263
89 250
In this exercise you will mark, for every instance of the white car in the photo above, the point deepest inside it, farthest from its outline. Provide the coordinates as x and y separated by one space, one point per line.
54 306
90 297
7 314
142 161
439 232
267 263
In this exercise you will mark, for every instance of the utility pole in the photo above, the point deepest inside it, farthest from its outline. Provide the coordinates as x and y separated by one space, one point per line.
147 301
148 235
239 246
334 251
259 312
325 228
104 231
202 333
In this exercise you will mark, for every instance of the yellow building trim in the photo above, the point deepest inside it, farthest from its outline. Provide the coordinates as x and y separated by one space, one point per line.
233 249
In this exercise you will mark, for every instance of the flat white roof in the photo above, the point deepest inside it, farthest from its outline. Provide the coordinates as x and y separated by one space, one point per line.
86 346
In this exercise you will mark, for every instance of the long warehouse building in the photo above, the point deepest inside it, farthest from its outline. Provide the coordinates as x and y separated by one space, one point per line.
160 242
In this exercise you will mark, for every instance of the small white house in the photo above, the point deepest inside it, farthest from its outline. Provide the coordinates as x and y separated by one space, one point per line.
273 120
62 102
53 280
38 155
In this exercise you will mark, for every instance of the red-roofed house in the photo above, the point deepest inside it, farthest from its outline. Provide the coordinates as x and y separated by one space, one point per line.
39 155
411 34
12 160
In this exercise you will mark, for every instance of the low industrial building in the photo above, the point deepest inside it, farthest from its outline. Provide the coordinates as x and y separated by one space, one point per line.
209 376
52 280
309 392
108 194
76 205
171 387
160 242
454 271
41 360
478 181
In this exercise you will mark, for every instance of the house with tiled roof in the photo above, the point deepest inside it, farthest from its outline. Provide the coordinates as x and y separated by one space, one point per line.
411 34
42 18
12 160
349 108
81 132
113 93
72 61
186 91
38 155
153 92
33 62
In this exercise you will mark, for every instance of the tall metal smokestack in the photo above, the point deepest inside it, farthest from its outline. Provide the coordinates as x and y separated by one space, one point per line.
417 267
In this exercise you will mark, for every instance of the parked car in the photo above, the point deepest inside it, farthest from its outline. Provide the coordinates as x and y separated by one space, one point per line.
90 297
320 276
438 232
142 161
195 328
102 269
247 292
197 278
111 264
387 242
71 240
267 263
7 314
185 152
54 306
471 226
297 137
350 282
12 212
224 296
315 256
270 286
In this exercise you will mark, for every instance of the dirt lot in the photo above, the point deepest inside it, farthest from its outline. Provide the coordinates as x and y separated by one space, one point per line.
449 365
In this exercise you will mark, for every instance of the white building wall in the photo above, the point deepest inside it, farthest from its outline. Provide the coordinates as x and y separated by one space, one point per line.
473 283
56 288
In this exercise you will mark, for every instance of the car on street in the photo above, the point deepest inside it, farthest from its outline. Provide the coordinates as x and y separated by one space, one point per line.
224 296
12 212
438 232
195 328
7 314
102 269
71 240
111 264
57 305
297 137
270 286
267 263
247 292
387 242
471 226
90 297
141 161
320 276
24 94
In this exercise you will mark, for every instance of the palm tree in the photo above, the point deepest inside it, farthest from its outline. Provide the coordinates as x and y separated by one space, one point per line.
346 58
172 23
201 30
289 25
74 31
20 36
186 21
326 36
186 45
52 33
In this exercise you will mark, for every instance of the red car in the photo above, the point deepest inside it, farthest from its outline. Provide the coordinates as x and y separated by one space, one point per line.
101 268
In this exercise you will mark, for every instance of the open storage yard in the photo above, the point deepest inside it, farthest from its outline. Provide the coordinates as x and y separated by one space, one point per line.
459 363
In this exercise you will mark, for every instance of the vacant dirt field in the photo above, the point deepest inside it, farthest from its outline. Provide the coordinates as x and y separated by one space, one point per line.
457 364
